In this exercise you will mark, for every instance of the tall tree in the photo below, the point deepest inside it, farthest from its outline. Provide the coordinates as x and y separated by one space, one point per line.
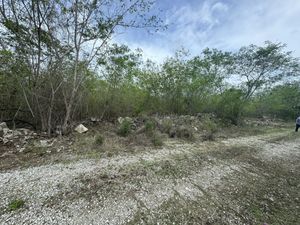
64 37
262 66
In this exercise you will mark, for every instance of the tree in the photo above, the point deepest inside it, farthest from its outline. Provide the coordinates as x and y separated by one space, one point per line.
263 66
281 101
27 31
61 38
230 105
120 66
206 76
88 27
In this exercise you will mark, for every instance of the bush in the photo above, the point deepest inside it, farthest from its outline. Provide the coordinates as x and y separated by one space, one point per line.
99 140
156 140
211 129
184 132
16 204
125 128
167 125
231 105
149 127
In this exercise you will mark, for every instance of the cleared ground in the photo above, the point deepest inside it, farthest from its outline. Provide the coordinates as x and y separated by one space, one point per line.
243 180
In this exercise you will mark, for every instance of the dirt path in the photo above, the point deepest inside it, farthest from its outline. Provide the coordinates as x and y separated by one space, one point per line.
250 180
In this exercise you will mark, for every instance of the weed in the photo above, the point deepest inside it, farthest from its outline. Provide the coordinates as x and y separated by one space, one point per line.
99 140
156 140
184 132
211 129
167 125
125 128
149 127
16 204
288 137
110 154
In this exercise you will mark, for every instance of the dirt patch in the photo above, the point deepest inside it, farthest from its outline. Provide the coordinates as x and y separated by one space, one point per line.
234 181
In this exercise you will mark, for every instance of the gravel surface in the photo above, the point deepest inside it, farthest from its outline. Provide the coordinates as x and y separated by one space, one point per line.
120 203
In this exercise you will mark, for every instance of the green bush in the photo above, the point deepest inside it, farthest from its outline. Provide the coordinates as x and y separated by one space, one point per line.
167 125
185 133
156 140
125 128
231 105
149 127
211 129
99 140
16 204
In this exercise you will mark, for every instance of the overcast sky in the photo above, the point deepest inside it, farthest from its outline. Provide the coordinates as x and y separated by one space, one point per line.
222 24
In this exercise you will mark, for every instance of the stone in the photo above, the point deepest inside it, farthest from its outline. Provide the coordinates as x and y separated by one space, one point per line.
94 119
5 140
7 133
45 144
21 150
25 131
81 129
141 130
3 125
121 120
58 130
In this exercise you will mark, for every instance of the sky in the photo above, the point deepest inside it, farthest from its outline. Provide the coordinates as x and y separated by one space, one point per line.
223 24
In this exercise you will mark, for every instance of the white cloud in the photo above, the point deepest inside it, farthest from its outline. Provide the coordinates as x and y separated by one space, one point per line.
192 25
226 25
153 52
150 50
273 20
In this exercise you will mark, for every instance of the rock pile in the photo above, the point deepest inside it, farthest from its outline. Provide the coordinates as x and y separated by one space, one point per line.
17 137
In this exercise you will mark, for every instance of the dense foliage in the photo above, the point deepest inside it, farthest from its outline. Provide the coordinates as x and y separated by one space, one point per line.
57 65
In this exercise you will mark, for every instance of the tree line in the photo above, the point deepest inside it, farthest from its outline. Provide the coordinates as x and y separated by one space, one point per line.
58 65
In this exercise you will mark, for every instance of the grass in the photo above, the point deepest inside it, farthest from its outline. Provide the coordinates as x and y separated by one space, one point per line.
265 194
288 137
16 204
242 197
249 130
149 127
211 130
99 140
125 128
156 140
167 125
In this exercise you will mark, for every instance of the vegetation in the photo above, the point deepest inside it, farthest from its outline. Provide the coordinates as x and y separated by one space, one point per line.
57 65
149 127
125 128
16 204
211 129
99 140
156 140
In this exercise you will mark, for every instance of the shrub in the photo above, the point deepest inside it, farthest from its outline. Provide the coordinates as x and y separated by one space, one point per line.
125 128
167 125
184 132
99 140
156 140
211 129
149 127
231 105
16 204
